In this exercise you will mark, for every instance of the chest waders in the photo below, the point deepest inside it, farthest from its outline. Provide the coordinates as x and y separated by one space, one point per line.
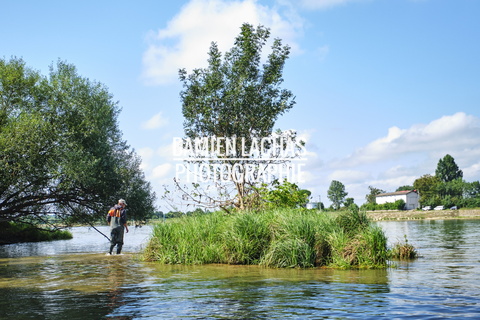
116 232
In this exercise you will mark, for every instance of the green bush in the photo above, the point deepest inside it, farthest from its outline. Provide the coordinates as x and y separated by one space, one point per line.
19 232
284 238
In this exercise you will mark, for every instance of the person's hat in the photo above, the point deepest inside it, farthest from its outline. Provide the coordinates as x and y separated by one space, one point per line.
122 201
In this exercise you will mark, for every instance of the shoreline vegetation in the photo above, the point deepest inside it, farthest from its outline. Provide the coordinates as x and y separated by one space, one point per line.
280 238
19 232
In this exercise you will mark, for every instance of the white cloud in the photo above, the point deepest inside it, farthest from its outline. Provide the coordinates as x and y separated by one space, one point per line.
323 4
472 171
403 155
349 176
155 122
162 171
185 41
146 155
449 134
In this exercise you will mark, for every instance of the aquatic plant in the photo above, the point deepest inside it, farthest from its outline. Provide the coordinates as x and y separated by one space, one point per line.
403 250
282 238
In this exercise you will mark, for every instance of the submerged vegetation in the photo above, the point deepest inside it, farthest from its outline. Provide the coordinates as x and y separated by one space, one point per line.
19 232
273 238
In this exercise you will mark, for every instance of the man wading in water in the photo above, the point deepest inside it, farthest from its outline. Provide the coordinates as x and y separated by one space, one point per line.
117 218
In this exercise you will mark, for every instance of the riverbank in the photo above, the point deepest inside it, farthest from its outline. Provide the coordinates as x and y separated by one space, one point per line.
18 232
424 215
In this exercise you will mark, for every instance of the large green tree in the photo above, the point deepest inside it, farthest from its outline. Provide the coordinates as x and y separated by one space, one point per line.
447 170
405 188
427 187
61 150
372 196
336 193
237 96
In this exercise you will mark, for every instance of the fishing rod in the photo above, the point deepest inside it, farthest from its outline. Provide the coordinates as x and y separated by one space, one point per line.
91 225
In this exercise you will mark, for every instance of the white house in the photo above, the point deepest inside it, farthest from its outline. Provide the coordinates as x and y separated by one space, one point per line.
313 205
410 197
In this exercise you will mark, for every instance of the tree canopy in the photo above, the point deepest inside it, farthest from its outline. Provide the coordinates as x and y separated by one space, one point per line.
237 97
447 170
61 148
336 193
372 196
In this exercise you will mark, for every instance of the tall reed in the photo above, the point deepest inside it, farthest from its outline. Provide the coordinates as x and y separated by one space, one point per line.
187 240
274 238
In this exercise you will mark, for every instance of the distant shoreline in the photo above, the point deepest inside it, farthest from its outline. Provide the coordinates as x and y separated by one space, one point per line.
423 215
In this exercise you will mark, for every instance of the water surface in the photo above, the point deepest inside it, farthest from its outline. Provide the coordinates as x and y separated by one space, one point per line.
73 279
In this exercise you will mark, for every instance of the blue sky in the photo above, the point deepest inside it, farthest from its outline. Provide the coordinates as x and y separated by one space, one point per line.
384 88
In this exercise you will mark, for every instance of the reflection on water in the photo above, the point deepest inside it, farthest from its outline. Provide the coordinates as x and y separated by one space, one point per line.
75 280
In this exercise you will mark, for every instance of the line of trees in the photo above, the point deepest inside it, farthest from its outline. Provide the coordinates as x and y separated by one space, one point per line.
447 187
61 149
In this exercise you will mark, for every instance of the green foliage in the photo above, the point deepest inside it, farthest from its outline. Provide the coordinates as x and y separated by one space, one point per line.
285 195
372 196
20 232
237 96
369 206
246 238
187 240
348 202
397 205
427 187
405 188
282 238
352 220
61 148
290 253
447 170
447 187
336 193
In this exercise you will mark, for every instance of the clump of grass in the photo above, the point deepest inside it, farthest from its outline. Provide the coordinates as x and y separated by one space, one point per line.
186 240
283 238
403 250
289 253
246 237
353 219
294 239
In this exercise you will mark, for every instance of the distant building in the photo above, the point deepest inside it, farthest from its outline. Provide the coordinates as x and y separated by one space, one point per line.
410 197
313 205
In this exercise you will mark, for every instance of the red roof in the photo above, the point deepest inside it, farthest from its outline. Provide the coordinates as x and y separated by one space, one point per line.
396 193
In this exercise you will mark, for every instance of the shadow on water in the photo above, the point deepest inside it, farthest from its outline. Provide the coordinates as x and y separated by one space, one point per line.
252 292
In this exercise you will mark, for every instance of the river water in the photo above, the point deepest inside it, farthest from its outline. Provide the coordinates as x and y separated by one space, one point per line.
74 279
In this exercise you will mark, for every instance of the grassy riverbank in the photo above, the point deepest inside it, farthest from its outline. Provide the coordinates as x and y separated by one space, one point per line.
420 214
17 232
275 238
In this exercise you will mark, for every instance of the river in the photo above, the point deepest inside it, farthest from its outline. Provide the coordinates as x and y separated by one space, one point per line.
74 279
